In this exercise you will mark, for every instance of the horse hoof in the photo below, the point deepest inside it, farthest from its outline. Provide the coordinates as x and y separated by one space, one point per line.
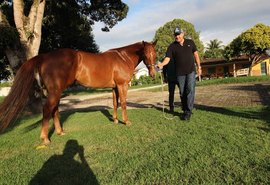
61 134
46 142
115 121
128 123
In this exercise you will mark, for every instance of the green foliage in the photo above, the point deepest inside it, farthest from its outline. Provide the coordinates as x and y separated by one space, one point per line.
65 26
233 80
218 146
110 12
9 37
146 80
67 23
164 36
255 40
4 72
214 49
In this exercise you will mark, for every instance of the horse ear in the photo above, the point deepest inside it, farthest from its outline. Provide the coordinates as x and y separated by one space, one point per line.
143 43
155 42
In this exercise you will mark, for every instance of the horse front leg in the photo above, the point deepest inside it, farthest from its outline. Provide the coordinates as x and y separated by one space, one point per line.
122 89
115 104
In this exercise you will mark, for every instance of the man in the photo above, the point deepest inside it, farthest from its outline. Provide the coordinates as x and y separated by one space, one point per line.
171 79
183 52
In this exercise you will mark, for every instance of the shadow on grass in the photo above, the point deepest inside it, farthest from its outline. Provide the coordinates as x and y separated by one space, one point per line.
262 115
64 169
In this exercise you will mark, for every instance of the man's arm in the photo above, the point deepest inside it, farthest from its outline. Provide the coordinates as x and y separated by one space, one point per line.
198 62
164 62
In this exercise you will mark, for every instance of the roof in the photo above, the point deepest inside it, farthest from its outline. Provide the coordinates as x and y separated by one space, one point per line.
216 61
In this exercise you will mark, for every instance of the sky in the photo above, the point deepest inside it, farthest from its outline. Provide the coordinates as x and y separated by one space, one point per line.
214 19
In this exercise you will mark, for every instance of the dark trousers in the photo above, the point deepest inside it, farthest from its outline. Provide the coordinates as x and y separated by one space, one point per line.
171 86
187 91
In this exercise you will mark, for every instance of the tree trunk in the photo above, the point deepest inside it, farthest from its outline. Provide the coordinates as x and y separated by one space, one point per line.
15 56
29 29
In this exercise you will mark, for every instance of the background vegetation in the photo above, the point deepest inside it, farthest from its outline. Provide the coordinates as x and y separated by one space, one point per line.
164 36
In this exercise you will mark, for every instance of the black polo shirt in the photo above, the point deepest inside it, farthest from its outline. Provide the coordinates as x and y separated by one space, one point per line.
183 56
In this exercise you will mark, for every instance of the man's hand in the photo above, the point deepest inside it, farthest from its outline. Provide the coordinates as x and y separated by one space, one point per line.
160 66
199 71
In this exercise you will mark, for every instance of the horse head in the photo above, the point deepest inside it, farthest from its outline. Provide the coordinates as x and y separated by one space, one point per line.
150 56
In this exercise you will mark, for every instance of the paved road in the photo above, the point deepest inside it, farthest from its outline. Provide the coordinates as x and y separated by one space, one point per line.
249 94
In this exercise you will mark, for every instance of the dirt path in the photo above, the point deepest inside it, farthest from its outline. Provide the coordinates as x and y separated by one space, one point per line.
249 94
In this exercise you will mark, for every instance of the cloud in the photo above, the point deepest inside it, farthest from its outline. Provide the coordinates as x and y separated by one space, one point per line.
222 20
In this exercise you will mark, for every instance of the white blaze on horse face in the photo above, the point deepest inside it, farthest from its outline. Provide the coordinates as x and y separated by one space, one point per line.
151 63
151 56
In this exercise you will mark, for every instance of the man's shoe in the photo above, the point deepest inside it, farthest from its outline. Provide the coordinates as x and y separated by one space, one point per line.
182 117
186 117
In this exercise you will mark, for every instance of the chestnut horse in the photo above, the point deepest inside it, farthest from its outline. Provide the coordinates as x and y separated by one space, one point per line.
58 69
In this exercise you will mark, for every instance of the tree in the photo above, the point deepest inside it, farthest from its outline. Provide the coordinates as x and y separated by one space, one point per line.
214 49
66 26
67 23
28 28
254 42
28 17
164 36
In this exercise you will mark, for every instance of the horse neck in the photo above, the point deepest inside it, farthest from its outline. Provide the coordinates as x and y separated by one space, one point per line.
132 55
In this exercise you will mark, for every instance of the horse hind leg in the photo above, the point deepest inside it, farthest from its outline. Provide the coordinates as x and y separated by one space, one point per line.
57 126
115 104
49 107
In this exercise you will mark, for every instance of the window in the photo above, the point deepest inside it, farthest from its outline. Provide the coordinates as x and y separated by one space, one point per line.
211 70
263 68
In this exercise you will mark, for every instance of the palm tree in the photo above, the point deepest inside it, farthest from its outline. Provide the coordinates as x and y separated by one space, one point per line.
214 49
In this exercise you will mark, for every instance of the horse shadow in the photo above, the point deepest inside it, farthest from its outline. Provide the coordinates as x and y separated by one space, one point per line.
64 169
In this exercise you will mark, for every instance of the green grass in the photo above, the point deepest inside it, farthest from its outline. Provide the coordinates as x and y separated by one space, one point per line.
5 84
2 98
231 80
218 146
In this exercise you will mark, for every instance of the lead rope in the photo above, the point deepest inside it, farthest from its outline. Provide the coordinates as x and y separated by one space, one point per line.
163 101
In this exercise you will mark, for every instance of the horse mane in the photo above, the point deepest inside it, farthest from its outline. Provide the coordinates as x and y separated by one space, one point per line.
128 46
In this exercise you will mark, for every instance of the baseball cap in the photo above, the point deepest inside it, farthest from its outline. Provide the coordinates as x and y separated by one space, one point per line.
178 30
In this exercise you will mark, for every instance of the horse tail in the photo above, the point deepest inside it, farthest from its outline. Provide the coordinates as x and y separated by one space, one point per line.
17 98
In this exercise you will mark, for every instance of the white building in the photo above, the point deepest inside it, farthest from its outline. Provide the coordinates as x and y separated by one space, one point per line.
141 72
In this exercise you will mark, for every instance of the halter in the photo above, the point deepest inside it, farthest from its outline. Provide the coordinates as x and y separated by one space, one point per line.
149 65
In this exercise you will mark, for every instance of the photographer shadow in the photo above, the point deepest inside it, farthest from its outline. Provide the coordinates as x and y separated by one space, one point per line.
64 169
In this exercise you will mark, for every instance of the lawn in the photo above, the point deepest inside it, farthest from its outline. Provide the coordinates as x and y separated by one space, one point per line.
218 146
